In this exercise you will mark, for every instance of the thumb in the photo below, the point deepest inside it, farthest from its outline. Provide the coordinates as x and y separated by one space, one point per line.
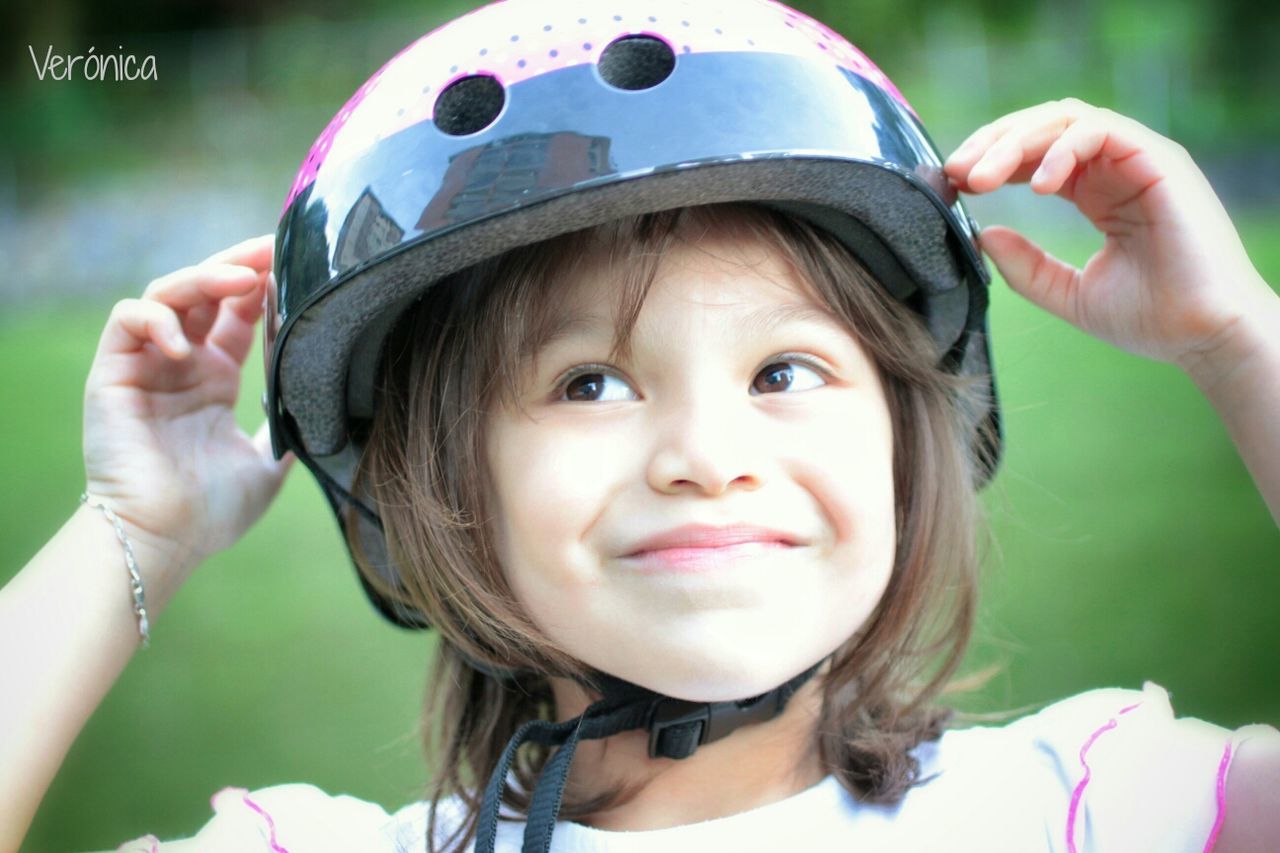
278 467
1034 273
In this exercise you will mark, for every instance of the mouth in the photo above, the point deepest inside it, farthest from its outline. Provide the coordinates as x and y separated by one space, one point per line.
698 548
686 560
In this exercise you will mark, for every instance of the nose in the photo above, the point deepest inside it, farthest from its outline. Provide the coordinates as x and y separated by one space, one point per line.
705 446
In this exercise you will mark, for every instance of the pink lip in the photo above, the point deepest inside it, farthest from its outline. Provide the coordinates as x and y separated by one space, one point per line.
697 547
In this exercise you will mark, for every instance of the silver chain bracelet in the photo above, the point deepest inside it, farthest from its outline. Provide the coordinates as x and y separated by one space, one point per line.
135 579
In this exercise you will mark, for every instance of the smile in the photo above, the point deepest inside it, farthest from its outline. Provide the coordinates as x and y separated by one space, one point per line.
691 560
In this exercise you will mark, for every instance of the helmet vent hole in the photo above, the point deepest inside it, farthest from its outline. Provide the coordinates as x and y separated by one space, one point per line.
469 105
637 62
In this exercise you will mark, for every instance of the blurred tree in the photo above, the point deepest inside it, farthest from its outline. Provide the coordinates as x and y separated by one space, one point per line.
1199 71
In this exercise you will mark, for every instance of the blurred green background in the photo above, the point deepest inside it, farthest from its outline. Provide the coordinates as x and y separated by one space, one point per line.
1131 543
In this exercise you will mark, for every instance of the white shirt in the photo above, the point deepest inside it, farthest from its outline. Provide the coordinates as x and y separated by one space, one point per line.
1107 770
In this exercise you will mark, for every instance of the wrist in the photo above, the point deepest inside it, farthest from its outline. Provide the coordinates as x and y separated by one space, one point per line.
1248 345
163 565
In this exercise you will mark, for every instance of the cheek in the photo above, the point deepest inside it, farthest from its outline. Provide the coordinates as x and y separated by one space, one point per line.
854 490
846 465
546 493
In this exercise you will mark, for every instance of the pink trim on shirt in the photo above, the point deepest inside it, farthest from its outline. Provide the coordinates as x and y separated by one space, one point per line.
1223 766
271 824
1078 794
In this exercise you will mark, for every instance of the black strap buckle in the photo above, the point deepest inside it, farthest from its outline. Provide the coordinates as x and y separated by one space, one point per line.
677 728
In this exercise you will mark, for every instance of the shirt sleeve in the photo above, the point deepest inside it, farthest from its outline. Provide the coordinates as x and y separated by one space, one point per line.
293 818
1131 775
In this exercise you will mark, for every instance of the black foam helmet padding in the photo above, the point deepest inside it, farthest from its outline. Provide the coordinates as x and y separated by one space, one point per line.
568 151
637 62
351 321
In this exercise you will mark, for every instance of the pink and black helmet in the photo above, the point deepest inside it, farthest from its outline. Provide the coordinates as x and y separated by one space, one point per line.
527 119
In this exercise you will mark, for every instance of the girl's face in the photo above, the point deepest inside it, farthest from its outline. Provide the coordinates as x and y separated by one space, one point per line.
712 515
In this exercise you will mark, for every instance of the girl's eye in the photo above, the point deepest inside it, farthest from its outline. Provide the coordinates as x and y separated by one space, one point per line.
596 388
786 376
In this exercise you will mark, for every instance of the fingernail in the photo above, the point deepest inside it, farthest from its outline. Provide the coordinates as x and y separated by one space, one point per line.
180 344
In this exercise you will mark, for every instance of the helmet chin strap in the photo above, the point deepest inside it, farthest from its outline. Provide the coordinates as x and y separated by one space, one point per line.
676 729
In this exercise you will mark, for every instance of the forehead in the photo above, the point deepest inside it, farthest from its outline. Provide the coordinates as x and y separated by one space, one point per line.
745 278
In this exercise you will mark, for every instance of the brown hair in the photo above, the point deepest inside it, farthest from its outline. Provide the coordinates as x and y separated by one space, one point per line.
459 350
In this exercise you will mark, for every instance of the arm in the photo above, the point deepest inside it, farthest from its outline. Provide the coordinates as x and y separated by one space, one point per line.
1251 820
1241 379
162 449
1172 282
67 629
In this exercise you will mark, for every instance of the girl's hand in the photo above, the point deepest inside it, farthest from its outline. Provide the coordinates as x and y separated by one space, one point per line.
1171 281
161 443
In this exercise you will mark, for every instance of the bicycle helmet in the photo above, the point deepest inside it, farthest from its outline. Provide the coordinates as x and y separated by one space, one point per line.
521 121
525 120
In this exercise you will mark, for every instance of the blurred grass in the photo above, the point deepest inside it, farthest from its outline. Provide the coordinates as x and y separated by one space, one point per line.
1131 545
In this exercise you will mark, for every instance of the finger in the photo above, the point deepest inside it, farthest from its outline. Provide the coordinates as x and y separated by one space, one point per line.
973 147
135 322
1105 136
264 479
234 331
190 286
1033 272
1005 150
262 444
255 253
977 142
1014 156
198 320
1020 175
248 306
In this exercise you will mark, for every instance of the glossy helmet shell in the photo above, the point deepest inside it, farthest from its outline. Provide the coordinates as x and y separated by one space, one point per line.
527 119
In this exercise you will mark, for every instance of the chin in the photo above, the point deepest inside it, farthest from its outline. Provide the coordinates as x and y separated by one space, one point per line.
715 679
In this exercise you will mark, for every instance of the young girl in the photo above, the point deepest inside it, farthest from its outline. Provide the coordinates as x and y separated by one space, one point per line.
644 359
